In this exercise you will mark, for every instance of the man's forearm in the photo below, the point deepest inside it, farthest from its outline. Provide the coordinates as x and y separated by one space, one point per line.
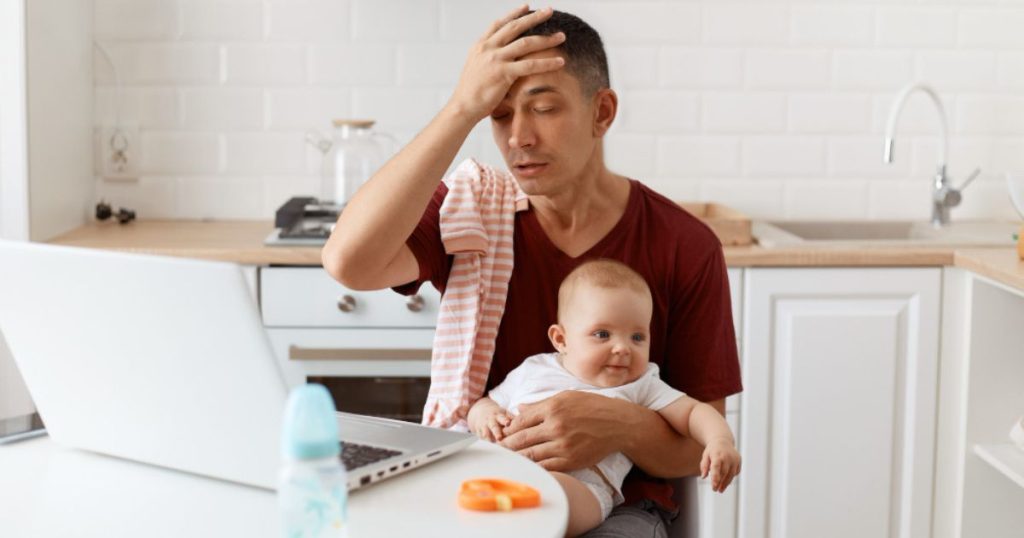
654 446
385 211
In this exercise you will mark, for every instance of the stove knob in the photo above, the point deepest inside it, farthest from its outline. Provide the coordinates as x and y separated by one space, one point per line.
415 303
346 303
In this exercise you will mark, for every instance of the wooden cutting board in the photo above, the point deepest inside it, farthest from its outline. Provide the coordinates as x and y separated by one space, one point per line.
731 226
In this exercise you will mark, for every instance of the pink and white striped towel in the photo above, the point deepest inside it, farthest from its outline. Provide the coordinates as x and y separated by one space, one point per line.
477 220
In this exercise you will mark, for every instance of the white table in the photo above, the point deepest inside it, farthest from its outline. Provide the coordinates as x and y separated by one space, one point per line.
47 490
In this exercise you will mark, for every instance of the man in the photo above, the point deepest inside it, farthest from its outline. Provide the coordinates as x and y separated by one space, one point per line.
542 77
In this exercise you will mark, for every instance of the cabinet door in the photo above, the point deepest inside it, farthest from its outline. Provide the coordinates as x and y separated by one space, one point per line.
717 517
838 412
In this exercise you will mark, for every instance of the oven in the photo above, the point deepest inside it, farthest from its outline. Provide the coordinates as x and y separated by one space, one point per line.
371 349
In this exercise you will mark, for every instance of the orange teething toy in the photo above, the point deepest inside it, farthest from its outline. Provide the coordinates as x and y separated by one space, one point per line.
489 494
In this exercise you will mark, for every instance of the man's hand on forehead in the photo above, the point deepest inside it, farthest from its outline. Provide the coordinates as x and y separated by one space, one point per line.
495 61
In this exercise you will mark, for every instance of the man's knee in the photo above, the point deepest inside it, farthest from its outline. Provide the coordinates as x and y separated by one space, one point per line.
642 519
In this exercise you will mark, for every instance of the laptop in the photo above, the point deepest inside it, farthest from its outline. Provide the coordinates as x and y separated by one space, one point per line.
165 361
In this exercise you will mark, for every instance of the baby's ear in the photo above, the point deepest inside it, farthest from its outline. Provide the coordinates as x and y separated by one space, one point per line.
557 336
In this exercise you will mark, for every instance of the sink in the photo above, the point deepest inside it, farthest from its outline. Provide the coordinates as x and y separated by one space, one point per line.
883 233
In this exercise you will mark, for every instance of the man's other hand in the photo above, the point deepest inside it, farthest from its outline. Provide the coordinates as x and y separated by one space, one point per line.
493 64
571 430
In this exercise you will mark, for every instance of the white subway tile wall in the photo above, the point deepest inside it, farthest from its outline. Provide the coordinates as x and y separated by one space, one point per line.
774 107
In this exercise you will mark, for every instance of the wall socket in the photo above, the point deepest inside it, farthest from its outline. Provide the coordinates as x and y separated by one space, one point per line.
120 151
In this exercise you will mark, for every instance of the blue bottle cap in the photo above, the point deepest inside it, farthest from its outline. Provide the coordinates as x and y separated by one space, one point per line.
310 425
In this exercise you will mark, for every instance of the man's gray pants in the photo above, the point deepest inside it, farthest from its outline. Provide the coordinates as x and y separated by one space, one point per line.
643 519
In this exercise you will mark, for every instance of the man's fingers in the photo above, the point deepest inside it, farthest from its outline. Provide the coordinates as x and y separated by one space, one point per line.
555 464
525 419
511 30
541 451
520 439
505 19
530 44
523 68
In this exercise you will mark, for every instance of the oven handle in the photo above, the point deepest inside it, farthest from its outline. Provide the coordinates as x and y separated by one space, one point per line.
357 354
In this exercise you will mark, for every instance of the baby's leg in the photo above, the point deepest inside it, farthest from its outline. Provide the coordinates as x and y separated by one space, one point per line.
584 510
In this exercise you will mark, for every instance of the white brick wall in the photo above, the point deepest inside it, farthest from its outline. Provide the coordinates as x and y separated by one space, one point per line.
775 107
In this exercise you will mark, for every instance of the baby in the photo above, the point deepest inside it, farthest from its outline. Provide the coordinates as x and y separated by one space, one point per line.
603 340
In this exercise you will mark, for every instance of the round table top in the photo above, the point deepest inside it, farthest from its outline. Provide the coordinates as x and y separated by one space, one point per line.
48 490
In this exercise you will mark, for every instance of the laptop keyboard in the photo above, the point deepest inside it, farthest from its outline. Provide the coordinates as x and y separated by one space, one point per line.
354 455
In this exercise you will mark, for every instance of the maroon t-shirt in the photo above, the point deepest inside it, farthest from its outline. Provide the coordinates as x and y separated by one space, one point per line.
692 337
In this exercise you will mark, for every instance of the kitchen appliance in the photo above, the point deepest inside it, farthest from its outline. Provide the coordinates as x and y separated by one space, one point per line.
370 348
303 220
352 154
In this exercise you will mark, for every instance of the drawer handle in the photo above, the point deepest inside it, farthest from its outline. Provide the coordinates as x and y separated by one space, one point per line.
415 303
357 354
346 303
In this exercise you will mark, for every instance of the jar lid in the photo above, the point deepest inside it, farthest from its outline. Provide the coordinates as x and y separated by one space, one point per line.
364 124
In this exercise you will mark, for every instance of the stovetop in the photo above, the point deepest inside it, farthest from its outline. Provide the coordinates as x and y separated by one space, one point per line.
303 221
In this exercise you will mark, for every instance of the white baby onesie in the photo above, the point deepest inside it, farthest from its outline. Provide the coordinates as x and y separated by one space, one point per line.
542 376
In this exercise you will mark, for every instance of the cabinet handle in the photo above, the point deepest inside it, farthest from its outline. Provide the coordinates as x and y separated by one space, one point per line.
357 354
346 303
415 303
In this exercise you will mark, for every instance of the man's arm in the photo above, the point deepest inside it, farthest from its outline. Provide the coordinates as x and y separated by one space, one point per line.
574 430
367 248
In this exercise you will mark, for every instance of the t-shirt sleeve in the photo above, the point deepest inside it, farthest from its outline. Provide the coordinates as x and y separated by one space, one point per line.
655 394
702 360
506 390
502 394
425 244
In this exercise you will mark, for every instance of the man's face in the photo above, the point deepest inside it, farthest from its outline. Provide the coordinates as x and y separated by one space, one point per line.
545 129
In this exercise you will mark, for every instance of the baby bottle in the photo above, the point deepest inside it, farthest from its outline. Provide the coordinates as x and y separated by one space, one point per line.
312 493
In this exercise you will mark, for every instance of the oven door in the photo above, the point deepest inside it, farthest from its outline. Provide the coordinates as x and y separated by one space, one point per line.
379 372
400 398
371 349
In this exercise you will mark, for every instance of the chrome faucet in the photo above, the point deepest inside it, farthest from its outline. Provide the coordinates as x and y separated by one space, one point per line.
944 196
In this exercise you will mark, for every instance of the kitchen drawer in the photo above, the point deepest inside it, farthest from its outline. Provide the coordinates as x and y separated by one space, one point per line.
309 297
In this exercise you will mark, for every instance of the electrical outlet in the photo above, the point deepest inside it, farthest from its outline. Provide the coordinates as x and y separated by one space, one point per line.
120 153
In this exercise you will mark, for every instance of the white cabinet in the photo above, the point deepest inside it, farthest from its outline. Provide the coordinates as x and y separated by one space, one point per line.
838 411
46 141
979 483
717 511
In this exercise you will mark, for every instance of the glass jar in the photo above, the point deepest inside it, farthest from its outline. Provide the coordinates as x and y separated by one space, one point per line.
354 153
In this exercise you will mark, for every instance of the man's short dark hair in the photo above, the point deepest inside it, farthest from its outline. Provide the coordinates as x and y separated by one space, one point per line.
583 49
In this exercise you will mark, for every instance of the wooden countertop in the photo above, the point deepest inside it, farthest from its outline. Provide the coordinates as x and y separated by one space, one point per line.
238 241
242 242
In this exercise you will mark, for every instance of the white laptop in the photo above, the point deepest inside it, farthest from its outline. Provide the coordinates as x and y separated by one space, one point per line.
165 361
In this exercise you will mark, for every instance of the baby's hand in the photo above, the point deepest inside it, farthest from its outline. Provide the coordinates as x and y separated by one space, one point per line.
722 462
490 427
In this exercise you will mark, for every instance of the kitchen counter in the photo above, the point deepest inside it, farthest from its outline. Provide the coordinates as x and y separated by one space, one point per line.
239 241
242 242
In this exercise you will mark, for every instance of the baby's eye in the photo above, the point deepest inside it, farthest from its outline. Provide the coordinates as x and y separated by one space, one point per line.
543 110
639 337
602 334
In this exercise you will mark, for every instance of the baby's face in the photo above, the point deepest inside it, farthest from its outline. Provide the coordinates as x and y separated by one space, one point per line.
606 335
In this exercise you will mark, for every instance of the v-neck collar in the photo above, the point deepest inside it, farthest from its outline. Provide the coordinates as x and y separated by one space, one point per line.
531 220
